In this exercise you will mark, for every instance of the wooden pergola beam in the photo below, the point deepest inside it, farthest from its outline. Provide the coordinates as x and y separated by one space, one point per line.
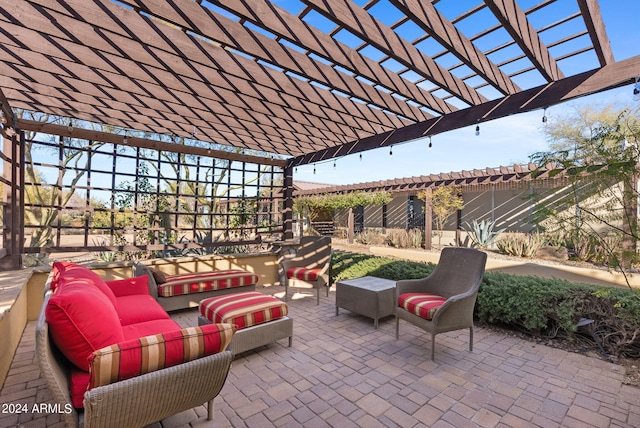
608 77
106 137
514 20
593 20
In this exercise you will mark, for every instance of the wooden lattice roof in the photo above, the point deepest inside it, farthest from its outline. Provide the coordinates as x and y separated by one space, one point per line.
317 80
501 175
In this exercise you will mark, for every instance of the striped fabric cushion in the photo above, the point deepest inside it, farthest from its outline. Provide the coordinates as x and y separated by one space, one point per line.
147 354
424 305
303 274
199 282
243 309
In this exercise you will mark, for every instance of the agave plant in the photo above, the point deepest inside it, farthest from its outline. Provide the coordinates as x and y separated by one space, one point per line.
482 234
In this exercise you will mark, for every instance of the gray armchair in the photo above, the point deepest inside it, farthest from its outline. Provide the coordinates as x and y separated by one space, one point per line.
444 301
310 266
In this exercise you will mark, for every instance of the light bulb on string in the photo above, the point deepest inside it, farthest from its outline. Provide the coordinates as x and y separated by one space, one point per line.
391 150
360 156
477 130
314 169
125 139
430 143
70 127
544 116
334 163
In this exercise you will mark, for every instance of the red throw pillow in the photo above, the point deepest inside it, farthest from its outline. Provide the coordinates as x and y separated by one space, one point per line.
81 320
65 271
129 286
147 354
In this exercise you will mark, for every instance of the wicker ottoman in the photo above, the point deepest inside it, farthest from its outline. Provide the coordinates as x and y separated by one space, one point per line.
260 319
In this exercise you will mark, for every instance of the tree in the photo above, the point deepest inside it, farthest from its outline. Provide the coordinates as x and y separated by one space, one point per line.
444 201
597 149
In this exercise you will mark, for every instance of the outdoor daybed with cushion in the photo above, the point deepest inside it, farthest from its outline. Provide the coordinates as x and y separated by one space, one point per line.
110 349
183 291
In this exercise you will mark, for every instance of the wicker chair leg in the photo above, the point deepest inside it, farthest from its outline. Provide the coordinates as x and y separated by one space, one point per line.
433 346
471 339
210 410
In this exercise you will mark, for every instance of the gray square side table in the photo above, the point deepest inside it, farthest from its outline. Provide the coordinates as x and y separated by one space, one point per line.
369 296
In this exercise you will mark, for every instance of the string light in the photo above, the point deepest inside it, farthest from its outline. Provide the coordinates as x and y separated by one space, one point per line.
430 144
334 163
70 126
477 130
391 150
360 156
544 116
314 169
125 139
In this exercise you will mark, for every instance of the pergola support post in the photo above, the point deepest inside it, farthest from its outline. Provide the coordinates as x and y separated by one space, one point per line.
428 219
287 212
13 234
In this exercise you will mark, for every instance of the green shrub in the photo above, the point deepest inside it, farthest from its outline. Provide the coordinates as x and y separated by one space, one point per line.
350 265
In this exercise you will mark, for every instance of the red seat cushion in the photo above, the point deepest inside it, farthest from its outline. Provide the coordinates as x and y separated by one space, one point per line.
423 305
303 274
243 309
199 282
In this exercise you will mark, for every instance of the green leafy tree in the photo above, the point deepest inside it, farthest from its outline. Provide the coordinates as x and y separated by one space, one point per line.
597 149
444 201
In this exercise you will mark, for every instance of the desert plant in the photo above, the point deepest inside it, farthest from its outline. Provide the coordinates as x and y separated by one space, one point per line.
416 237
483 234
398 238
520 244
370 237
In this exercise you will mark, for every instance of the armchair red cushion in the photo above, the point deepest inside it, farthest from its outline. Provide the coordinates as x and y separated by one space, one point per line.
303 274
147 354
424 305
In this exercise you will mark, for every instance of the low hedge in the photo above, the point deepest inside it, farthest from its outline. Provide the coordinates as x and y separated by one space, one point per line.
540 306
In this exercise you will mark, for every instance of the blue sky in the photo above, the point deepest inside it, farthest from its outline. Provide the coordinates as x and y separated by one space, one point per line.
501 142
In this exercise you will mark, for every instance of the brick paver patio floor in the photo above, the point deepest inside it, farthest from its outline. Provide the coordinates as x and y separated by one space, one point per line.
341 372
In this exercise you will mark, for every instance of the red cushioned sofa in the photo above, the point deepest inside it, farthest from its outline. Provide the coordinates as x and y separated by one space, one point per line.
111 355
184 291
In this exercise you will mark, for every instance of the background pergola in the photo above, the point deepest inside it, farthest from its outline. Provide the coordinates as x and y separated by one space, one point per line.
319 80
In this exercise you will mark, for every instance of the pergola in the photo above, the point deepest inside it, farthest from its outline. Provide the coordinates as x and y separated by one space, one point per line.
315 81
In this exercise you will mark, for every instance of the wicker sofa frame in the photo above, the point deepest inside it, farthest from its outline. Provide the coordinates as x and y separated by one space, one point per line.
135 402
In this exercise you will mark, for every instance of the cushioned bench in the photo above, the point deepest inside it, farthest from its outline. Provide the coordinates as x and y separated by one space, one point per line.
183 291
260 319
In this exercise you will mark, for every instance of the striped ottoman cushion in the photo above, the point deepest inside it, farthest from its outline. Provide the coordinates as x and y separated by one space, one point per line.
200 282
243 309
303 274
424 305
